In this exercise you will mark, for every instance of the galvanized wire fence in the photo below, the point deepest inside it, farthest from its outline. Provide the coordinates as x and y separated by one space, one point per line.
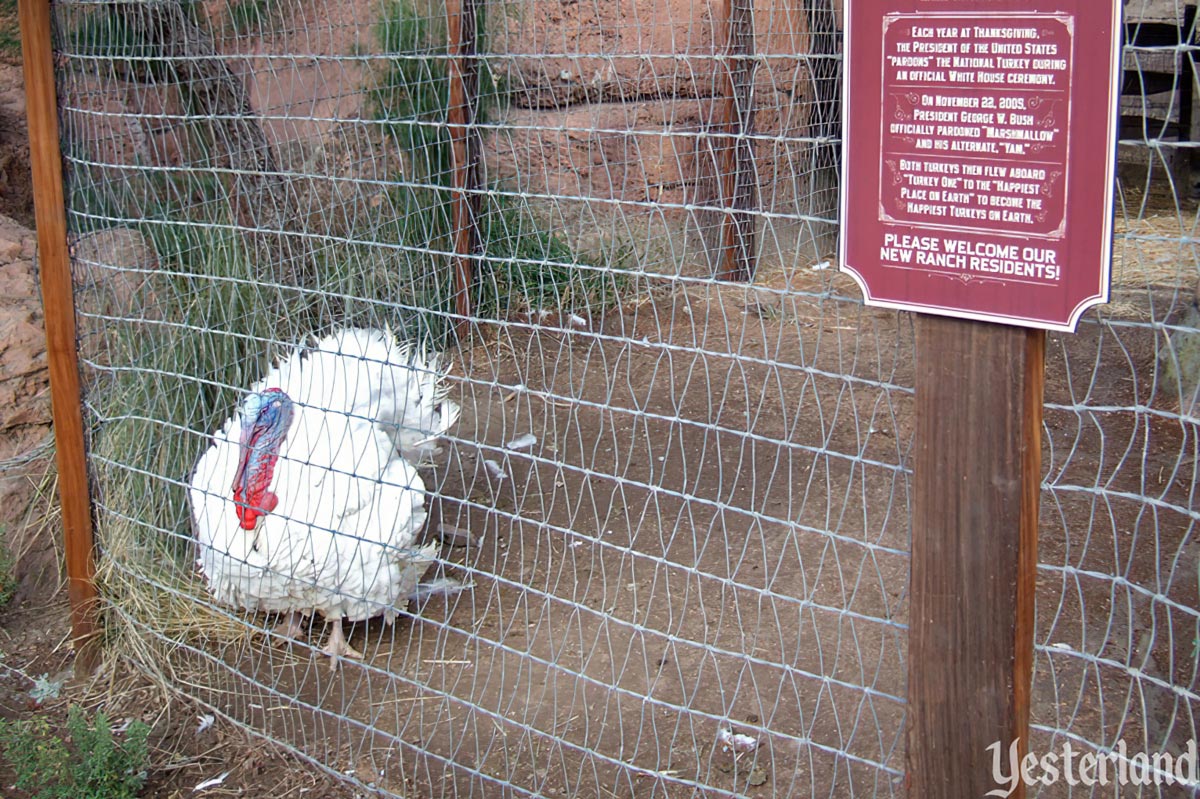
676 500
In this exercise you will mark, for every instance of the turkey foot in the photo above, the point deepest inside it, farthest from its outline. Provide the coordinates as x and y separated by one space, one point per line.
338 647
291 626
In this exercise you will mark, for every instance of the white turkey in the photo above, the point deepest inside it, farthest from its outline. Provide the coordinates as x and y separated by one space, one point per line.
308 499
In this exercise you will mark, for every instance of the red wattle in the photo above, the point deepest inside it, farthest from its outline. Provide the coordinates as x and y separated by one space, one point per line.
257 501
247 516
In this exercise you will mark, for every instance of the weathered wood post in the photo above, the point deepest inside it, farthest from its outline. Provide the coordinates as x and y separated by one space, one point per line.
58 300
737 179
977 471
462 20
959 201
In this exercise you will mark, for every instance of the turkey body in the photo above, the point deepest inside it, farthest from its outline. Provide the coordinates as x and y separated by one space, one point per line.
341 504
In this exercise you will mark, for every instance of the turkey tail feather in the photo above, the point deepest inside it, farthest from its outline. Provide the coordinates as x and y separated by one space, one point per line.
369 374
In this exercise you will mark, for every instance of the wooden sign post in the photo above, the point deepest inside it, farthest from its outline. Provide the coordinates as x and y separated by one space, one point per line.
979 153
977 474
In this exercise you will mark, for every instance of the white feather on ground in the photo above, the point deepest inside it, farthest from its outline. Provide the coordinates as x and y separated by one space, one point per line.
522 442
340 541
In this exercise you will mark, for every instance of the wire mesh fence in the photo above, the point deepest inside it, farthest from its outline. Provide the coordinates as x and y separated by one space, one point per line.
664 542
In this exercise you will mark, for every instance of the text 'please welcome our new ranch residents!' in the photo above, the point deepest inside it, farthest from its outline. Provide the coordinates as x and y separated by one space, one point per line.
979 158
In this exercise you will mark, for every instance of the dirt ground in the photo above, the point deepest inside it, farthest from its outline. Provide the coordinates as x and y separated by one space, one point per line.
632 612
34 626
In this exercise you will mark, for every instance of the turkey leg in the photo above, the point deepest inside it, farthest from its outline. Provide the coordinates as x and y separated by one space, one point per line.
338 647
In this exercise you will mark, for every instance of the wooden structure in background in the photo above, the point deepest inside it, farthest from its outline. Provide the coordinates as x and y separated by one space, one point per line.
1165 41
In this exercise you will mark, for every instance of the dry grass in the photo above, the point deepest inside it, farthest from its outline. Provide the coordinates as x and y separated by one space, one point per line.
1151 250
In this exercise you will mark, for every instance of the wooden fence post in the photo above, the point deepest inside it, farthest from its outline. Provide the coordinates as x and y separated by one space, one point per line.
465 148
58 300
737 177
977 478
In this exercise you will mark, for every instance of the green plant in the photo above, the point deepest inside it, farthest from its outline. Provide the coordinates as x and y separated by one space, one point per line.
524 264
412 97
538 269
104 32
10 31
202 339
248 16
45 689
90 764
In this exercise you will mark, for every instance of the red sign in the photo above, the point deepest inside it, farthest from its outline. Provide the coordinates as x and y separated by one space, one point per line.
978 156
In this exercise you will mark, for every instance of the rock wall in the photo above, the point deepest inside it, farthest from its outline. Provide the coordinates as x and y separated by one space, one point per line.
618 101
26 445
